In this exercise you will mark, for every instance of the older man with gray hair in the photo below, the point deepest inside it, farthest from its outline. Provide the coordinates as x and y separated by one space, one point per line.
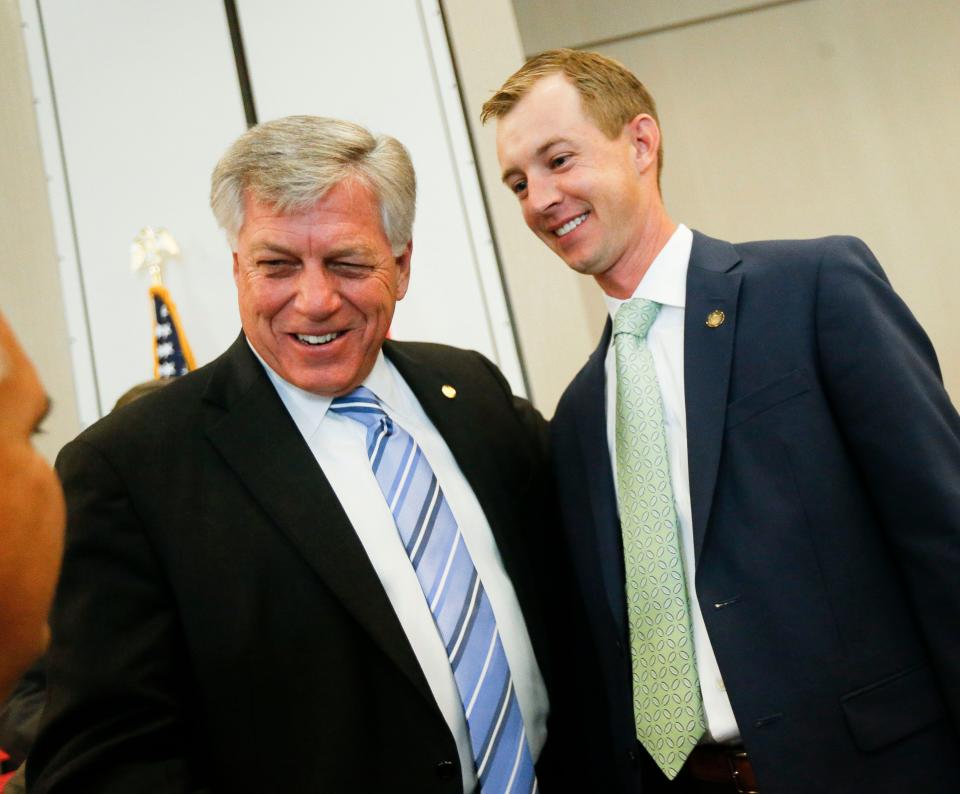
311 565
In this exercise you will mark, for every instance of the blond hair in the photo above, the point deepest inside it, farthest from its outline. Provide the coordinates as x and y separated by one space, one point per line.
611 94
293 161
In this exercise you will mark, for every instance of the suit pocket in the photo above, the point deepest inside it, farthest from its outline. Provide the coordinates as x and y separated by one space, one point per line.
766 397
893 708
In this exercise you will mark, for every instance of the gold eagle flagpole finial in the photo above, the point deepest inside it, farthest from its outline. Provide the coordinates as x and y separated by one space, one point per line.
149 251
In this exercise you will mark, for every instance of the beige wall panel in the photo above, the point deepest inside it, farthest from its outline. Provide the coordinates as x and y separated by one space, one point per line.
29 275
572 23
822 117
558 315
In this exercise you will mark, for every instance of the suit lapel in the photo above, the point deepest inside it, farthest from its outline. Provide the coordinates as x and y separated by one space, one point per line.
253 432
603 551
457 422
707 357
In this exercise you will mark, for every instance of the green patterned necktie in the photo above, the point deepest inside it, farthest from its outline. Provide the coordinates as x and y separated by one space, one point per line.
667 704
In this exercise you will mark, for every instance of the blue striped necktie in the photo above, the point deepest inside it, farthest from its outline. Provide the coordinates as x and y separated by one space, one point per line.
455 594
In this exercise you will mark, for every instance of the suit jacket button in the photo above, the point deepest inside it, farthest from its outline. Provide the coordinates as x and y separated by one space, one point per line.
446 770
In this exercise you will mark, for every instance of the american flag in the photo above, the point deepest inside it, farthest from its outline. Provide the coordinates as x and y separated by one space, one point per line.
171 351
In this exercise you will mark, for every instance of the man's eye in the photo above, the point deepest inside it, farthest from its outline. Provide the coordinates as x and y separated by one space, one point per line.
519 186
559 161
350 268
276 267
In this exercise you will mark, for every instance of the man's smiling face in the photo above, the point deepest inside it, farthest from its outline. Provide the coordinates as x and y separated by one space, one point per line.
317 288
581 192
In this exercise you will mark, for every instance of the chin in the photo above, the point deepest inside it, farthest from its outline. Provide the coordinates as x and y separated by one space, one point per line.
579 266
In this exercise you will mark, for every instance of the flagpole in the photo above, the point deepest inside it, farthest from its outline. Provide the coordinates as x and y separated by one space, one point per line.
172 355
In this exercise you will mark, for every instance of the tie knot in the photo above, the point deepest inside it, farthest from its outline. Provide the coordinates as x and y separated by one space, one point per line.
635 317
361 405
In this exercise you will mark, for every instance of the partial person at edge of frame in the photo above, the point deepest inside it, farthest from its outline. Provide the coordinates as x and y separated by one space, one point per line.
31 516
20 714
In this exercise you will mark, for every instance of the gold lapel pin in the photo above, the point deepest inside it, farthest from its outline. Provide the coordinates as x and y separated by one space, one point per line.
715 318
448 391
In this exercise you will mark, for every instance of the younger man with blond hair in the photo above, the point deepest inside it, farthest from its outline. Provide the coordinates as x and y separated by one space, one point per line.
759 473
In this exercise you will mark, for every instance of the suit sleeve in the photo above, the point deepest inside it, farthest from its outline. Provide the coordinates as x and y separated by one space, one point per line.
117 684
884 385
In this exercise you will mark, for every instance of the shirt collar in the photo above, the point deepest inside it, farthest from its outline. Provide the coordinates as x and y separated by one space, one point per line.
665 281
308 410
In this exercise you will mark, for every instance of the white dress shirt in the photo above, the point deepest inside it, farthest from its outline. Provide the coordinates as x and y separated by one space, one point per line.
666 283
339 445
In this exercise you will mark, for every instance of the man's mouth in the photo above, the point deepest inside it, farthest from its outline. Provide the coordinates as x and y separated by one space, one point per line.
570 225
310 339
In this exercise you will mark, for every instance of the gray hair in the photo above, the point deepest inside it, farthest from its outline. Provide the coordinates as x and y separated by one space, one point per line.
292 162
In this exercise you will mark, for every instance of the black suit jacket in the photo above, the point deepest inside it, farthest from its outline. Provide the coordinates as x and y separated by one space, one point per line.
824 461
218 626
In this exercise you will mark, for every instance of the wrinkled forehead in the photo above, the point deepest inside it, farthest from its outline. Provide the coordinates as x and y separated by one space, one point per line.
346 219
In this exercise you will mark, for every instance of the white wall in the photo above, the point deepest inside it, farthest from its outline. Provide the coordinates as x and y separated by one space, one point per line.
29 279
145 104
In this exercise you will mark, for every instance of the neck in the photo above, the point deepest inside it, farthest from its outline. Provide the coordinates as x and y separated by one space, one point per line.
656 229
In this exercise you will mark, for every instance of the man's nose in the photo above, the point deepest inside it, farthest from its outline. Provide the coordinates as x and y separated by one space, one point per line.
318 292
542 194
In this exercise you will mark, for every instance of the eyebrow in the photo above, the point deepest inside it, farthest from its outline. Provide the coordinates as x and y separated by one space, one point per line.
538 153
349 250
262 248
358 249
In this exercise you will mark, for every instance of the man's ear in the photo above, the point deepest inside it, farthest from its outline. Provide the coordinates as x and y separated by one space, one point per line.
645 137
236 268
403 270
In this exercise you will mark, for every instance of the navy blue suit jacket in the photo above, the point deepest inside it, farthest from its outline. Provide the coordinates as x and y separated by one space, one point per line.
824 459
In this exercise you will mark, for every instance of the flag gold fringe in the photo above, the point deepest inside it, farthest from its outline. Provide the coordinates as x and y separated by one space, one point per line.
158 290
